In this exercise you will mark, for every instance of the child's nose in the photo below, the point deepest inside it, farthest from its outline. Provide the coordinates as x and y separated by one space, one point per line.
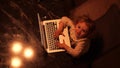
78 31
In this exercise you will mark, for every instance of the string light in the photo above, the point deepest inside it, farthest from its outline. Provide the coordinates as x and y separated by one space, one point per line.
15 62
28 53
17 47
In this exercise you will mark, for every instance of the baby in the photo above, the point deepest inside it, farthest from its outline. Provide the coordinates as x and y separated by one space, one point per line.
80 33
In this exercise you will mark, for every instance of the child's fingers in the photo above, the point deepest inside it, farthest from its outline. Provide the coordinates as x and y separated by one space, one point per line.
64 41
57 43
55 35
62 34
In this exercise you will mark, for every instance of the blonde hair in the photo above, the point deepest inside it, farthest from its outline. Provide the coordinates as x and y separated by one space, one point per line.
90 23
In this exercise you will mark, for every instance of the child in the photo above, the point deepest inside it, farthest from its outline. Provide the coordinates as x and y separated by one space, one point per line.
80 32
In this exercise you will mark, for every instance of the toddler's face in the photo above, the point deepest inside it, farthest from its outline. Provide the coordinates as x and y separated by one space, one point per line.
81 29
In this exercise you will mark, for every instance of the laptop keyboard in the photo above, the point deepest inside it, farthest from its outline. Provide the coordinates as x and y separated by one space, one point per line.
50 29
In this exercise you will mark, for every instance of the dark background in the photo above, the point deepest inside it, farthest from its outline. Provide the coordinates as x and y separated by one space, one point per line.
18 21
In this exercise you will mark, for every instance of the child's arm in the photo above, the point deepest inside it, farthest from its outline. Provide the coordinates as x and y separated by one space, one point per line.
72 51
79 49
59 30
65 21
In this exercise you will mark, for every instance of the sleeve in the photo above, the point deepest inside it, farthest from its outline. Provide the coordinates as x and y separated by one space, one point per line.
67 21
80 48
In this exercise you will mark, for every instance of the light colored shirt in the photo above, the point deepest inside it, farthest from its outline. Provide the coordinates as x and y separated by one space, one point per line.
81 45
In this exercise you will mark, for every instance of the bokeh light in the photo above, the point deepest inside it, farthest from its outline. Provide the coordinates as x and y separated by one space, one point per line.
28 53
16 62
17 47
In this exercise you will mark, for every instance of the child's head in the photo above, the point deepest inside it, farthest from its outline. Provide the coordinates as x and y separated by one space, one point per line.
84 27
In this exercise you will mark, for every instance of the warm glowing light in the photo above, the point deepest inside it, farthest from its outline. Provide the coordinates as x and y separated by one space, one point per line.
28 53
17 47
15 62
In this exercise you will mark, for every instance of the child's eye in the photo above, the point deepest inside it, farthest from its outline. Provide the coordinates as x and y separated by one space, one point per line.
78 26
84 31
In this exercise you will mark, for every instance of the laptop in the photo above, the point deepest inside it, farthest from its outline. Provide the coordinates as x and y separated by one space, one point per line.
47 29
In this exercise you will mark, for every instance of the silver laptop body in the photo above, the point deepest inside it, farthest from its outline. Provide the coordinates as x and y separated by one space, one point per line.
47 28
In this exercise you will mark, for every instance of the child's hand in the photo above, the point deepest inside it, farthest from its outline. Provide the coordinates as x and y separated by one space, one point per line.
59 31
56 34
61 45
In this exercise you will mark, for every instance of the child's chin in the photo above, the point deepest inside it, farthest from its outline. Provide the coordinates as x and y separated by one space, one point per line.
81 37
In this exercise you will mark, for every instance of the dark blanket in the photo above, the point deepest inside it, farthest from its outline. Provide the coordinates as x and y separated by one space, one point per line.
108 31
